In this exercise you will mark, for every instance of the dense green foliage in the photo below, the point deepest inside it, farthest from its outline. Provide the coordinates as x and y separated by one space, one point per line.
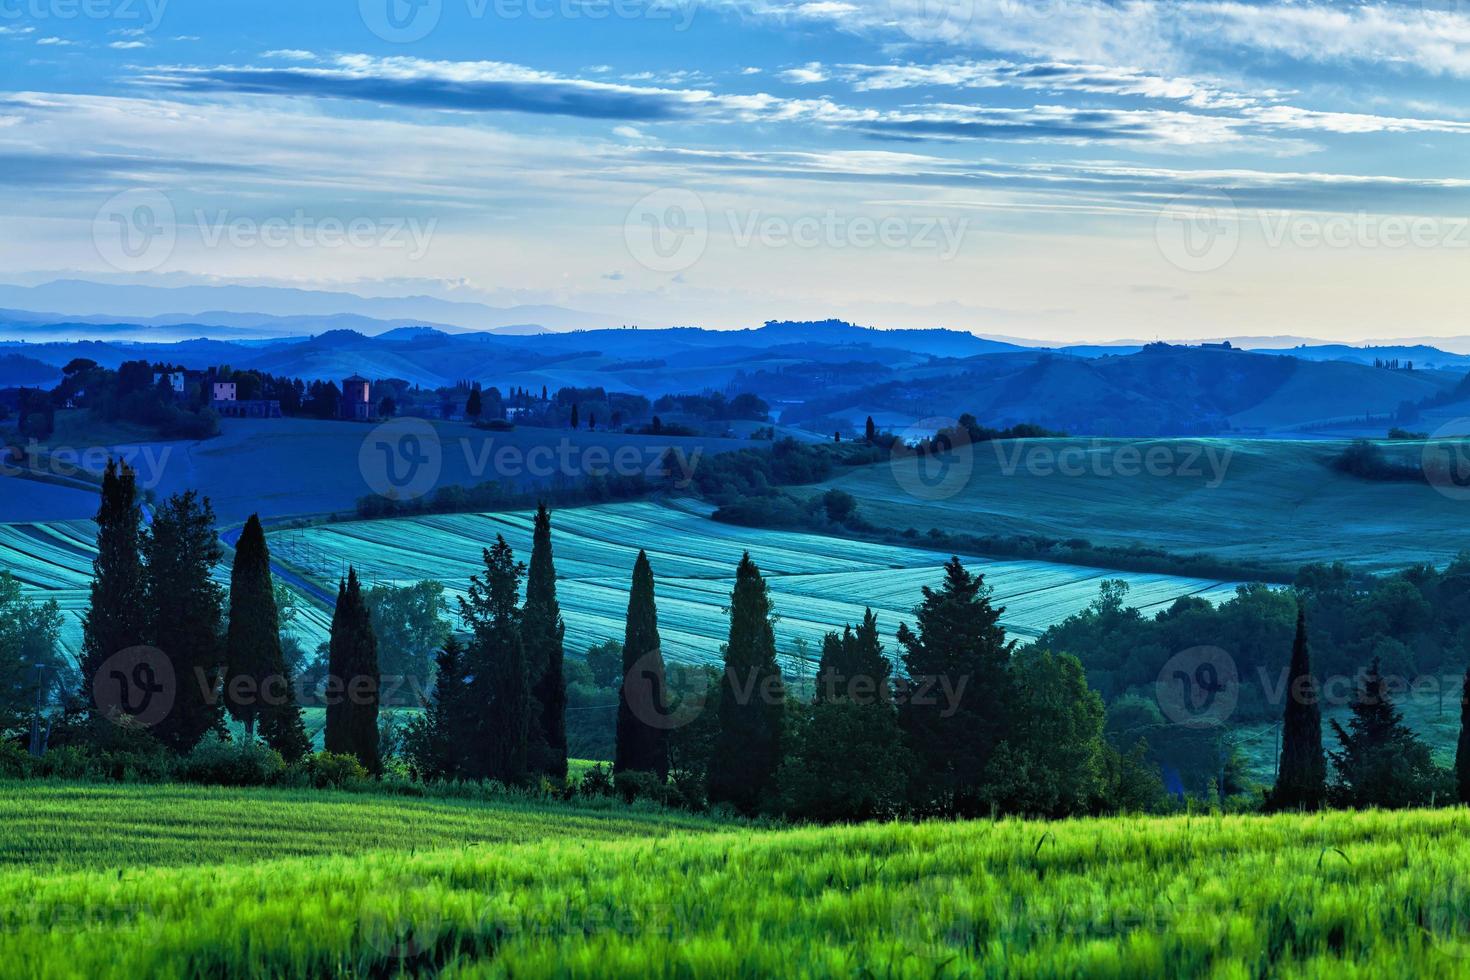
1302 781
752 703
258 684
543 634
186 610
114 620
353 678
642 733
499 681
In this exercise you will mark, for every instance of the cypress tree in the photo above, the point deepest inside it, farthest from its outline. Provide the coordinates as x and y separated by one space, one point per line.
543 633
865 660
832 677
500 684
1302 781
1381 761
1462 748
115 619
642 699
353 678
474 406
436 739
258 684
186 614
960 657
752 700
870 431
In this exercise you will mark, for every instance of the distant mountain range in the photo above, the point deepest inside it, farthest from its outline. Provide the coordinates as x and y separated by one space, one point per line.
813 373
269 311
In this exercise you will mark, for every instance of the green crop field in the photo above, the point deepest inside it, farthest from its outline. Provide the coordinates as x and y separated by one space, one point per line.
1271 501
131 882
818 582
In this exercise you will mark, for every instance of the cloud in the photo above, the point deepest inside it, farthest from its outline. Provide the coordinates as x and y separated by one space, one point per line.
1051 77
128 45
289 54
475 86
808 74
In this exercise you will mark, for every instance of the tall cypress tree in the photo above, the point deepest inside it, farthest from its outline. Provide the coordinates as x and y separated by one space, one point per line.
436 740
186 612
255 666
832 676
543 632
1302 781
500 684
752 700
1462 748
960 658
115 618
642 699
353 678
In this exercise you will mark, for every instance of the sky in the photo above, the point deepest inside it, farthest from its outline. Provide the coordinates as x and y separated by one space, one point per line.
1066 170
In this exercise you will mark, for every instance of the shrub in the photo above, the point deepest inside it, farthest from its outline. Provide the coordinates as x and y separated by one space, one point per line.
217 762
15 762
334 770
596 781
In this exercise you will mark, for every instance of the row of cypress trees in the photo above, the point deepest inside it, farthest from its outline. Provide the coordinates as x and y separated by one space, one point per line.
499 705
1380 761
154 587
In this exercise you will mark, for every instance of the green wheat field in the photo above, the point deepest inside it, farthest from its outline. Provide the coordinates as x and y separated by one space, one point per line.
121 882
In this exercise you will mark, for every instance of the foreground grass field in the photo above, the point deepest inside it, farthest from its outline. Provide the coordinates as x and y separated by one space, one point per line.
1340 895
1273 501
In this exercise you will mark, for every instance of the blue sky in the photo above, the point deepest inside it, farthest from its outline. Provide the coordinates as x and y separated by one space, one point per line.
1060 169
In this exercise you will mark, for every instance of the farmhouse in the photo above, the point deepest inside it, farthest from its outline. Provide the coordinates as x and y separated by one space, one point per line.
229 406
357 399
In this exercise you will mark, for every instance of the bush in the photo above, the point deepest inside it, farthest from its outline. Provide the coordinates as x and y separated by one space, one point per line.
221 763
333 770
15 762
596 781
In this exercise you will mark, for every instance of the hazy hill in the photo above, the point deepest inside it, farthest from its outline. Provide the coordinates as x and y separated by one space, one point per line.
1161 390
